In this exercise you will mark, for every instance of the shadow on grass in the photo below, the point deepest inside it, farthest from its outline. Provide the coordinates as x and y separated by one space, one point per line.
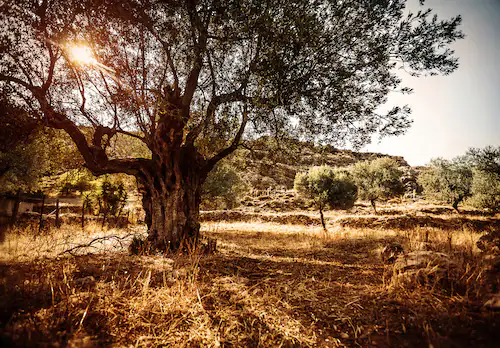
408 222
348 251
269 297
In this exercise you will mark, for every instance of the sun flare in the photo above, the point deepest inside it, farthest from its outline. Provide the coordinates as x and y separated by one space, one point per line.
81 54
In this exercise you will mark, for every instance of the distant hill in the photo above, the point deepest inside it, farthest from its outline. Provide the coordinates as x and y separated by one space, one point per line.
266 162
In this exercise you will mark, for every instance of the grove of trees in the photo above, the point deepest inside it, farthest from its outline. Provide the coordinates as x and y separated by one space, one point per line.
473 178
189 79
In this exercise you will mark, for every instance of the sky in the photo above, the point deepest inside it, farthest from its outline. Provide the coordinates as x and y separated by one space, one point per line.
462 110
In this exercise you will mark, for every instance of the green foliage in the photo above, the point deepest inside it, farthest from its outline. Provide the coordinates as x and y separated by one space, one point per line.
77 180
487 159
450 181
485 190
327 187
111 197
486 177
378 179
29 151
325 66
223 183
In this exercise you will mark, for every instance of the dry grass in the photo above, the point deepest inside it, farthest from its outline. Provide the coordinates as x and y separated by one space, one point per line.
269 284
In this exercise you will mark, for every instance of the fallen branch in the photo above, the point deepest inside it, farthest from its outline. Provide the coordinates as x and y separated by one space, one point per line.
101 240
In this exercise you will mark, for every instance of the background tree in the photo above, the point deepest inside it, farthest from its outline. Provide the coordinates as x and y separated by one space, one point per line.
29 151
446 180
486 159
188 78
223 182
378 179
327 188
486 177
485 190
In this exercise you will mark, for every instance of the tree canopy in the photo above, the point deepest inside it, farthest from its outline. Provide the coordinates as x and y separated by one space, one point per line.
189 78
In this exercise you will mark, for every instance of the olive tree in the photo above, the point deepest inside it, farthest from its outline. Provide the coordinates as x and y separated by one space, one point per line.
190 79
448 180
485 187
378 179
223 182
327 188
486 159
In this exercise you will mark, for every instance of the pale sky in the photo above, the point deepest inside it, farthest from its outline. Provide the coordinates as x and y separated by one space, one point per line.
462 110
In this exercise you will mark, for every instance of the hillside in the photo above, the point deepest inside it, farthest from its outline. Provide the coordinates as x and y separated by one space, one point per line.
269 163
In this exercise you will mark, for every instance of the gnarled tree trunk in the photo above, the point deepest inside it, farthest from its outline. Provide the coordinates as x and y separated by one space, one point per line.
171 199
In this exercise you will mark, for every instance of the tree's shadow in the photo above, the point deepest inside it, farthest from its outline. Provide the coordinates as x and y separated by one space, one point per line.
250 295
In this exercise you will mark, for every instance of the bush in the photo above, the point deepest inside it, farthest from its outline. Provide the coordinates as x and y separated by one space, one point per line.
327 188
76 180
378 179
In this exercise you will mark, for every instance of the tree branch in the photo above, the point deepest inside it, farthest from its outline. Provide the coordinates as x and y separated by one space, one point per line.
199 47
234 145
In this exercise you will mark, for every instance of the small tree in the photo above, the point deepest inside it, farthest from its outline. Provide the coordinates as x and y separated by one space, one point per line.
378 179
487 159
327 187
76 180
446 180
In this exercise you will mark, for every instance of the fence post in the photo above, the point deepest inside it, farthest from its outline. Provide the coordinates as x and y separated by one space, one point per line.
58 223
83 213
15 210
41 215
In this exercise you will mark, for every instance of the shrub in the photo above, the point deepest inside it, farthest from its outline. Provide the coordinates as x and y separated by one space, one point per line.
327 188
486 177
76 180
111 197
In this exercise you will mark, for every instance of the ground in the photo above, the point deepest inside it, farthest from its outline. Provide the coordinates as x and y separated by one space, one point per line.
270 283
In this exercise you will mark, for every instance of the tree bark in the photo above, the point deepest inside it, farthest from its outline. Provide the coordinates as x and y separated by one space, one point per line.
171 200
322 218
456 202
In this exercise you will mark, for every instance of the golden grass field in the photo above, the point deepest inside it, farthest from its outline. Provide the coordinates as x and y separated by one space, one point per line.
270 284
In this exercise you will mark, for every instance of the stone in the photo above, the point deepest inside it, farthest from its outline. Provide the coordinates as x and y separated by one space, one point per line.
490 242
391 252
